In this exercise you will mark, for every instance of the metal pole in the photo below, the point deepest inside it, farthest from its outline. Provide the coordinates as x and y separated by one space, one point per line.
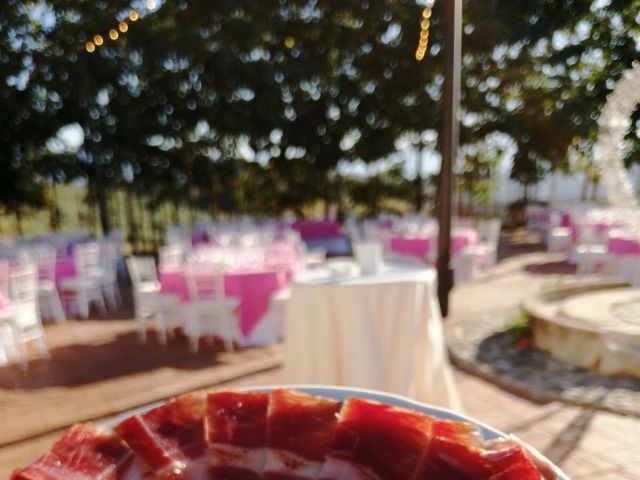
450 135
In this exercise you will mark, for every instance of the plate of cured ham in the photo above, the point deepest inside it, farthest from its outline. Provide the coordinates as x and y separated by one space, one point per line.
289 433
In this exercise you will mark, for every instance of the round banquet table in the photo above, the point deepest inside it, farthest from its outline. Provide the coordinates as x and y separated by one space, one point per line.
381 331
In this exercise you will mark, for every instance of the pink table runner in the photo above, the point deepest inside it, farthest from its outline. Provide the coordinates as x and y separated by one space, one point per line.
622 243
317 229
253 288
420 246
415 247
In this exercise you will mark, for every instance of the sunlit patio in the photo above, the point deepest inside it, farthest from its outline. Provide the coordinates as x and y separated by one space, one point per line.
319 240
86 378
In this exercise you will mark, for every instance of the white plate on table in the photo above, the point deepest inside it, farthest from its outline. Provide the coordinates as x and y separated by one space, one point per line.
341 393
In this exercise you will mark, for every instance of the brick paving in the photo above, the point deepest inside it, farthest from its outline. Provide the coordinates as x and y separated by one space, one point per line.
98 368
586 443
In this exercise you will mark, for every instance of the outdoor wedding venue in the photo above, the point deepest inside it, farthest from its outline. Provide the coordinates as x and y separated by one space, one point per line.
337 240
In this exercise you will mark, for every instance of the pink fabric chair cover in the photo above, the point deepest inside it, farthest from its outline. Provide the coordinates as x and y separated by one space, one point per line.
64 268
463 237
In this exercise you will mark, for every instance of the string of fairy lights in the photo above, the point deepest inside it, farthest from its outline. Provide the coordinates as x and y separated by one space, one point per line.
98 40
114 34
425 23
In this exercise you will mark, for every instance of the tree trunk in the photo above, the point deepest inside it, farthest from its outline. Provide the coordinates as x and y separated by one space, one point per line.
141 218
103 210
213 198
594 191
175 211
417 184
131 221
18 213
54 212
585 187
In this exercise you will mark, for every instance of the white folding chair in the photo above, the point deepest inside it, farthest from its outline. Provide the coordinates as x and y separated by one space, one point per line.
170 256
466 263
4 277
109 273
489 232
86 286
211 313
149 303
24 318
49 299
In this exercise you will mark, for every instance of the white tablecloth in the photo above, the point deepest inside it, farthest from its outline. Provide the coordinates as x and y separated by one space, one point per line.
381 331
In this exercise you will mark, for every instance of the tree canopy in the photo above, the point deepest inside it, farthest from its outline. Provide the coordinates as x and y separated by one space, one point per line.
240 106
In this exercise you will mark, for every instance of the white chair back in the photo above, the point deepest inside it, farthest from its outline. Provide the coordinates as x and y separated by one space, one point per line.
205 281
86 259
109 256
555 219
45 256
489 230
142 269
4 277
23 287
175 235
171 256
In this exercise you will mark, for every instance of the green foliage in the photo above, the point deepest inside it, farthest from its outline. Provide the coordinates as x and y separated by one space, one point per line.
236 107
521 327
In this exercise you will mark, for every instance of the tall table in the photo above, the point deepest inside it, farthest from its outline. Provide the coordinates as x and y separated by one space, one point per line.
381 331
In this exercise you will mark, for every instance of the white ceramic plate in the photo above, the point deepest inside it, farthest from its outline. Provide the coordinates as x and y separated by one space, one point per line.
341 393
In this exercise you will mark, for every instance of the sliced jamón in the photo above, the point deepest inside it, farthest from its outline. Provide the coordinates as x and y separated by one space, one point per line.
451 459
376 441
85 452
236 426
170 439
301 428
284 435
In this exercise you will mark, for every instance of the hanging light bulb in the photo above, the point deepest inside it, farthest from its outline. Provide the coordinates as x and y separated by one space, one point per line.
90 47
425 23
123 27
133 16
113 34
98 40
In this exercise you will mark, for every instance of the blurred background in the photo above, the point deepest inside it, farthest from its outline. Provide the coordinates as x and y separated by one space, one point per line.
136 115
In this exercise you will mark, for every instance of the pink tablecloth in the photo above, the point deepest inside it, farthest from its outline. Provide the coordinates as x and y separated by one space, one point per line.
253 288
317 229
622 243
415 247
420 246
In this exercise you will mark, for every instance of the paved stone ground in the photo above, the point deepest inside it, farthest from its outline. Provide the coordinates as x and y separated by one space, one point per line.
98 368
478 343
586 443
